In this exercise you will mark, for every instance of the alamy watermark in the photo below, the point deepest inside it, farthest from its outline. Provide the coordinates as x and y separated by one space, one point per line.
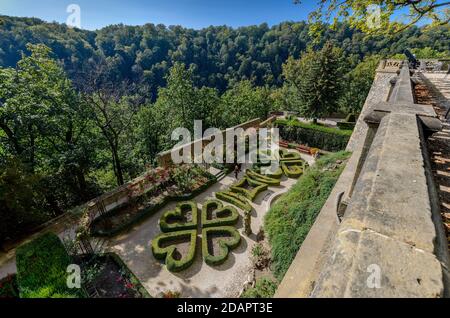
231 146
74 18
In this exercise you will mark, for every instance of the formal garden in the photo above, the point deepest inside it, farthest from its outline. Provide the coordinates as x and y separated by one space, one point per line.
182 227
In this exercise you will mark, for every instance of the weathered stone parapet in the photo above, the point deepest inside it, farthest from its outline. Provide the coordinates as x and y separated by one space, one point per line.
389 224
387 202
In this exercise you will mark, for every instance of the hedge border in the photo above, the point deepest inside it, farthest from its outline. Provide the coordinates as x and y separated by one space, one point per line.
264 179
251 195
166 253
148 211
225 246
292 169
327 138
177 214
9 282
234 199
218 222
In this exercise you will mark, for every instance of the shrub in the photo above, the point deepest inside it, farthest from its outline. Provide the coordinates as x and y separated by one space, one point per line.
169 253
178 215
235 199
263 179
41 269
292 169
264 288
288 222
225 244
258 187
330 139
231 215
346 125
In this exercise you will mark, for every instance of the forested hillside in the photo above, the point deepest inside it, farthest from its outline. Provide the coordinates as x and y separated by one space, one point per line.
82 112
220 55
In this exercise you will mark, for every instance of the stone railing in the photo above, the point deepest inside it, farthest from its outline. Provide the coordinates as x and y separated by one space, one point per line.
380 233
165 158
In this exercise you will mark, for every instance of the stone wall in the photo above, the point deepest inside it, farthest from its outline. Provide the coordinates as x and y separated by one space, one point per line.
379 234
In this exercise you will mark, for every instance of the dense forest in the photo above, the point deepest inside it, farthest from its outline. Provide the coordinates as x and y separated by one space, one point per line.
84 111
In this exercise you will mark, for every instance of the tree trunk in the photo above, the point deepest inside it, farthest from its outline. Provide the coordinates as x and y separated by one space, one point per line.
117 167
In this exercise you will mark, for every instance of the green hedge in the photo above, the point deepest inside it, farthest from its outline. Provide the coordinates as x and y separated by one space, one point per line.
292 169
146 212
42 269
226 244
177 215
239 188
346 125
234 199
9 287
288 222
264 179
167 253
326 138
217 206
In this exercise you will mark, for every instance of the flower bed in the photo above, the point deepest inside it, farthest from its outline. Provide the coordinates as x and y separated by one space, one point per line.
9 287
109 277
174 188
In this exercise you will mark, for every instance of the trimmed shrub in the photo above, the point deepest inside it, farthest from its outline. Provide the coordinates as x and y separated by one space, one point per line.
288 222
178 216
258 187
226 244
234 199
292 169
230 214
264 179
264 288
169 253
140 216
330 139
346 125
9 287
42 269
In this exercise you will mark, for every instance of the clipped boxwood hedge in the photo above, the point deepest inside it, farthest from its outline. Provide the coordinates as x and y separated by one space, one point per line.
177 215
249 194
292 169
234 199
146 212
168 253
326 138
42 269
225 245
264 179
231 214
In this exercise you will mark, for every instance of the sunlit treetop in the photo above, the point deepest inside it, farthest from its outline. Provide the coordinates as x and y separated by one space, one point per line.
379 16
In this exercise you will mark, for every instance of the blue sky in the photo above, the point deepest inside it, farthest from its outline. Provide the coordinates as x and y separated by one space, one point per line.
189 13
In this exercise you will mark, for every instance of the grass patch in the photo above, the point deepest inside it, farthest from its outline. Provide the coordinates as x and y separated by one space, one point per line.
288 222
42 269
